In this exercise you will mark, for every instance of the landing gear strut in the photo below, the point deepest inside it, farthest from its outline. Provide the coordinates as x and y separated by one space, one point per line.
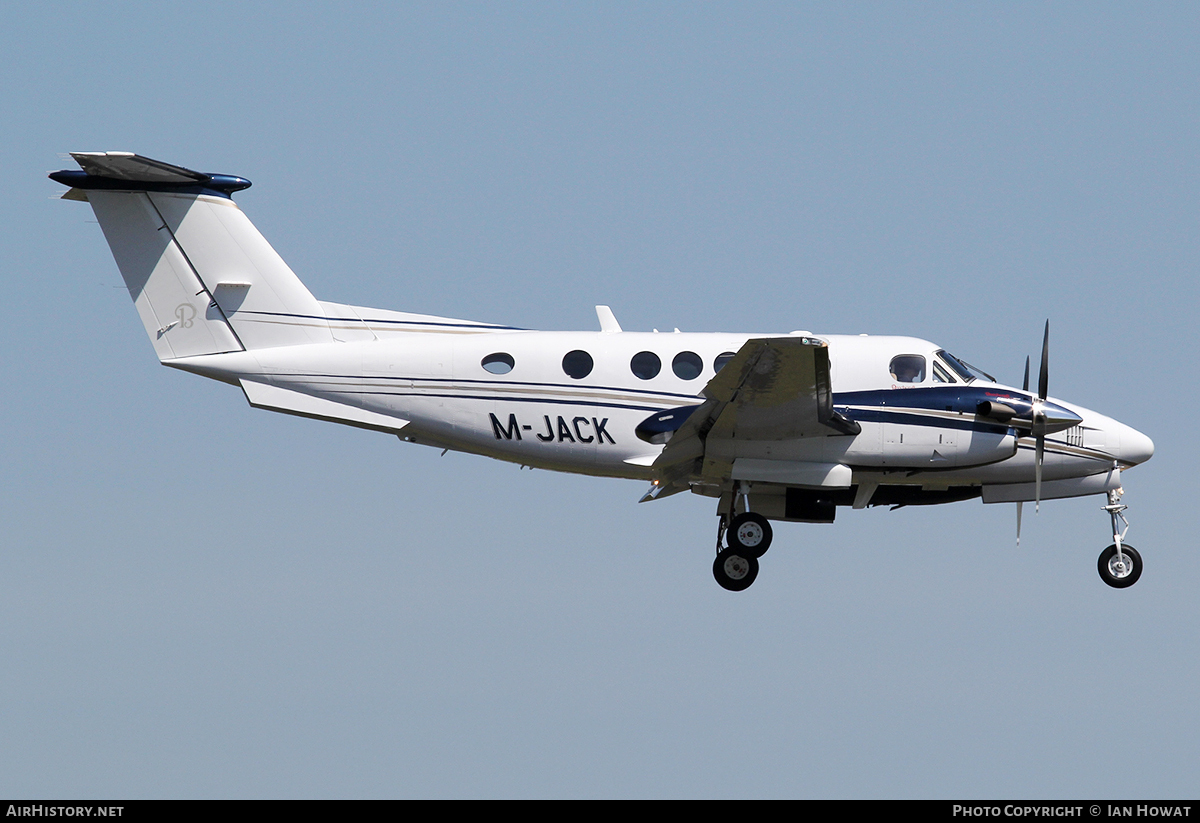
1120 565
749 536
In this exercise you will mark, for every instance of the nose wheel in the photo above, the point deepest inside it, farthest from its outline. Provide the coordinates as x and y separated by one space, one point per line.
1120 570
1120 565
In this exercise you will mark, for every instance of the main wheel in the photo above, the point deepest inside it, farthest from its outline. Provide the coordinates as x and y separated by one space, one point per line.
1118 574
749 534
734 571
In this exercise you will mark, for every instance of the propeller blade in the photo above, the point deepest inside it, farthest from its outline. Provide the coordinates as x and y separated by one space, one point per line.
1039 452
1019 505
1039 419
1025 384
1044 374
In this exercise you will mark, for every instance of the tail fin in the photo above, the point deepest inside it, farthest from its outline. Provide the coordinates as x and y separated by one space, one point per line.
204 280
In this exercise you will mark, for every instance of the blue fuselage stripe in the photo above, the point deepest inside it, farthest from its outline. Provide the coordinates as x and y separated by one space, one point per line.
668 397
367 320
510 399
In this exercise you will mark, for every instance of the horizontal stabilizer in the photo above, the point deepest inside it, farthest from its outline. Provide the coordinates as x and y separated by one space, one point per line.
126 171
273 398
125 165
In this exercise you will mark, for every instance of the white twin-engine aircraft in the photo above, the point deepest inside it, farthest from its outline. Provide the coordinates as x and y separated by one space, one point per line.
773 427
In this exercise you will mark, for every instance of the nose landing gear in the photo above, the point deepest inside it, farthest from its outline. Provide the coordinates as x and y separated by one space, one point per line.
1120 565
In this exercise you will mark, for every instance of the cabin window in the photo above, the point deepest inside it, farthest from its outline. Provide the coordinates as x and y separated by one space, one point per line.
645 365
498 363
722 359
687 365
577 364
908 368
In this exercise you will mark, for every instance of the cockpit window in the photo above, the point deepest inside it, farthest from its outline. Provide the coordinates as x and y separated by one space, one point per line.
940 374
964 369
908 368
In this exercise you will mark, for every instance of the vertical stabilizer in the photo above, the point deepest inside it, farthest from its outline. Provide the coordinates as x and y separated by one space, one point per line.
204 280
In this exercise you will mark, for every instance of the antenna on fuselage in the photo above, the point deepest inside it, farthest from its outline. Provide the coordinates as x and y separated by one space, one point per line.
608 320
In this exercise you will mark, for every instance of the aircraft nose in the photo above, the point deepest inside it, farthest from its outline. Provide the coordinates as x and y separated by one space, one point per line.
1135 446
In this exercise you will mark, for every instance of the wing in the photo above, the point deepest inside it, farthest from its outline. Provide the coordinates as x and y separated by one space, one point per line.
775 388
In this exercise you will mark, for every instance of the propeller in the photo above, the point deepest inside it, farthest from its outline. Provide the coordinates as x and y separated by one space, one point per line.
1038 425
1039 417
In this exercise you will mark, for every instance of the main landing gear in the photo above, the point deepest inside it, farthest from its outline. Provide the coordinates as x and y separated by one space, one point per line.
734 572
1120 565
749 536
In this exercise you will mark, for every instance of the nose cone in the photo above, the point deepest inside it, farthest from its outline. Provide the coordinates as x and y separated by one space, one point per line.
1135 446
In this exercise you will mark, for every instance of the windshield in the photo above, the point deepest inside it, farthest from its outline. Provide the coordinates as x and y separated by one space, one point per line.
964 369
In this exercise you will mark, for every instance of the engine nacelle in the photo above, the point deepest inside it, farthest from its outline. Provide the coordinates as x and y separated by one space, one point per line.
911 446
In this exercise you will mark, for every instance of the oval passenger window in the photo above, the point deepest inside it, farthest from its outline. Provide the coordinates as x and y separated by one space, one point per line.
498 363
577 364
722 359
645 365
687 365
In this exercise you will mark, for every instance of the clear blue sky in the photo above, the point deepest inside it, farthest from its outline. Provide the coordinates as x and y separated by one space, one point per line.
203 600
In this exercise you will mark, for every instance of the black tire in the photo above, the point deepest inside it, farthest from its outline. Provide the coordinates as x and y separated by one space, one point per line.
1110 575
749 534
733 571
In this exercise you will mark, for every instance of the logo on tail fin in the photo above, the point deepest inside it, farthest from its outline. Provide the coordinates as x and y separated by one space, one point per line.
186 313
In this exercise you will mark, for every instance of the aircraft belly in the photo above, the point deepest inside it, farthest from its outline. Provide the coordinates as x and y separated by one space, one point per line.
1098 483
807 449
